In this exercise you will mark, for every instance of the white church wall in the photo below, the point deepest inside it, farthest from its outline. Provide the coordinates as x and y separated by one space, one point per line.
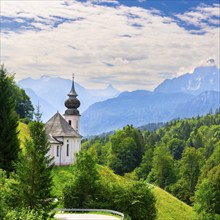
55 151
63 155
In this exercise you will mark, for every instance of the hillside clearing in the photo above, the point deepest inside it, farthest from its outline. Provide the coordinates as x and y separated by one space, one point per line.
171 208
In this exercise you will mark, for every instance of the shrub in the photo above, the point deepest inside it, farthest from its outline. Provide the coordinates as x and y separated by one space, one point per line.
26 214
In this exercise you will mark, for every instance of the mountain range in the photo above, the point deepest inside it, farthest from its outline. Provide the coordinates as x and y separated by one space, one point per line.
204 78
50 94
186 96
189 95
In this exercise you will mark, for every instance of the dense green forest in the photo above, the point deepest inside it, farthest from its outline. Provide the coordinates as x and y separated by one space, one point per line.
182 157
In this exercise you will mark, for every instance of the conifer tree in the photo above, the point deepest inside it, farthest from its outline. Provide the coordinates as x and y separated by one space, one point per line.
9 144
34 171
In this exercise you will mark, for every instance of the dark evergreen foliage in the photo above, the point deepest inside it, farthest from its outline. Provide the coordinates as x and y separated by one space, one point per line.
24 107
9 144
33 172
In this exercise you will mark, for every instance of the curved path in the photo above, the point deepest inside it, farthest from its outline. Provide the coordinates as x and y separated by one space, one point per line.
85 217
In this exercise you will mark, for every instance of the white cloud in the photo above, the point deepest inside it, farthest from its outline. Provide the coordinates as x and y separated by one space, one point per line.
104 1
139 44
201 15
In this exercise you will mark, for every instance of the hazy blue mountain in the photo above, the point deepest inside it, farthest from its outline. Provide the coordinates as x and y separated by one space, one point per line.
46 109
54 91
137 108
202 79
199 105
143 107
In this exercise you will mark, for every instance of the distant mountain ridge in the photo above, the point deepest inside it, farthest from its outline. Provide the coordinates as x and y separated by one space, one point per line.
186 96
52 91
137 108
202 104
205 78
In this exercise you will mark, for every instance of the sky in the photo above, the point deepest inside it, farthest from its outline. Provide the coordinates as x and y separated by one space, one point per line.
131 44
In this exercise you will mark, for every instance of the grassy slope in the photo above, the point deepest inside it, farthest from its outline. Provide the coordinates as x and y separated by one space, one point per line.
23 133
169 207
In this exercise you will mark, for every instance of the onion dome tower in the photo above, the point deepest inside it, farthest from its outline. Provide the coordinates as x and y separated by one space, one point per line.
72 115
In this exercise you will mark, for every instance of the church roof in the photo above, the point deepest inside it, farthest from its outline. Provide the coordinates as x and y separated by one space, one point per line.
53 140
57 126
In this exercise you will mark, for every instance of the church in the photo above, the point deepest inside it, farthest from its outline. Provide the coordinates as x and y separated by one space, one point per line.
63 132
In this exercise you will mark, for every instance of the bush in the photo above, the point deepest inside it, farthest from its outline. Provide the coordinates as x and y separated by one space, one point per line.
105 190
26 214
134 199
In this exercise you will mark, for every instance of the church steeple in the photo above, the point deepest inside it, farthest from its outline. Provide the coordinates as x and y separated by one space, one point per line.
73 91
72 115
72 103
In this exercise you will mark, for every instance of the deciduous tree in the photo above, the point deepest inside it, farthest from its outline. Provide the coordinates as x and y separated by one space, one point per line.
162 172
80 191
208 196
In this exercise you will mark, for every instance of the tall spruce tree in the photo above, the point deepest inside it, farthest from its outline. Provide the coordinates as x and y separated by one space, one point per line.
9 144
33 171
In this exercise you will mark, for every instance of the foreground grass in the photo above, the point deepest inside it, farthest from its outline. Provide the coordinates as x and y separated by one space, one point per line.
171 208
168 206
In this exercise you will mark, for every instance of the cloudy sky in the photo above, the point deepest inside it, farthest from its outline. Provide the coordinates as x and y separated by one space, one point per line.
133 44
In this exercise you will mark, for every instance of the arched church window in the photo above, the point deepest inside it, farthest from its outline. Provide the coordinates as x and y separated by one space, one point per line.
67 150
58 151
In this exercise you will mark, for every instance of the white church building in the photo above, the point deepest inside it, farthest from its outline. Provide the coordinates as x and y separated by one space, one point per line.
63 132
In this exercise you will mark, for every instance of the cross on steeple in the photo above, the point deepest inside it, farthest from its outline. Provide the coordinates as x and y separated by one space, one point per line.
72 91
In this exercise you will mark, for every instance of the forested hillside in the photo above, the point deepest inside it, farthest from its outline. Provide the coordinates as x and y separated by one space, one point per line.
182 157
